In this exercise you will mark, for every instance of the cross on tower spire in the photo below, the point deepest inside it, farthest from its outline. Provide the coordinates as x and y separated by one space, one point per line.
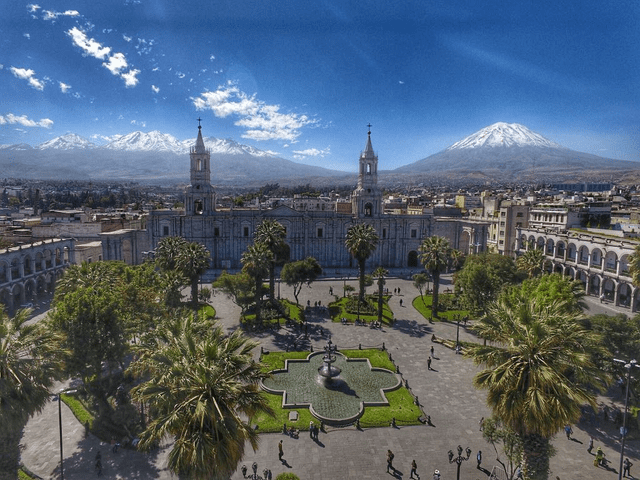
199 120
369 125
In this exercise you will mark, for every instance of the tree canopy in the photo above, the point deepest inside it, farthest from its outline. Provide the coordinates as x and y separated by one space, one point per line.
300 273
435 255
362 240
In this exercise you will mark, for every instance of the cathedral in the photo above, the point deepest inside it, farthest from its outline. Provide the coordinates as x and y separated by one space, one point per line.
227 232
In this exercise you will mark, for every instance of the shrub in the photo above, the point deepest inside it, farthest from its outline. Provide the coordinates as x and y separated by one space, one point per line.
287 476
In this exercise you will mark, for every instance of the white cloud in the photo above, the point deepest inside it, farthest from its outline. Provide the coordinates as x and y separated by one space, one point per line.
27 35
126 39
136 122
212 58
312 152
52 15
12 119
117 62
155 89
130 79
261 121
28 74
32 8
64 87
400 82
90 46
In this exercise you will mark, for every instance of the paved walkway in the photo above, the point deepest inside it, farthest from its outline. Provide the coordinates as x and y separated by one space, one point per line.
446 393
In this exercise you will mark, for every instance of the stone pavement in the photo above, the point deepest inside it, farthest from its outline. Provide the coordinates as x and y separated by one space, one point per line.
446 393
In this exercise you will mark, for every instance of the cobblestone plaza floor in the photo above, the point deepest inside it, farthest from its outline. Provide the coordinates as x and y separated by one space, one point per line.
446 393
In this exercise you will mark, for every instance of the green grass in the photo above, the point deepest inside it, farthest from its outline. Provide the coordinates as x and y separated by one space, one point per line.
425 308
401 403
338 310
78 409
207 311
295 313
22 475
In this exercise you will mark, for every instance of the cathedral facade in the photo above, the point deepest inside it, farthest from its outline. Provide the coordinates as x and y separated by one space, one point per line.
227 233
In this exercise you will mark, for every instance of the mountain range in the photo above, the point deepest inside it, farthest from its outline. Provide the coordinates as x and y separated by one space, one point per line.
501 152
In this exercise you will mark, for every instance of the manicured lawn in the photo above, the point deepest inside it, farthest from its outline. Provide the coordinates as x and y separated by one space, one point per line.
338 311
424 307
401 403
295 313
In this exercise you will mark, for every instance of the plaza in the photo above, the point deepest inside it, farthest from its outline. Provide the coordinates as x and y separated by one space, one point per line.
446 394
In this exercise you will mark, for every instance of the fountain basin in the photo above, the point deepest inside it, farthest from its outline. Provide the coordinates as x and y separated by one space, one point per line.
333 399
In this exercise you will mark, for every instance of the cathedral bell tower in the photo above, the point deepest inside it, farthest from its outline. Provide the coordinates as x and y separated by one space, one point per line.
366 200
200 198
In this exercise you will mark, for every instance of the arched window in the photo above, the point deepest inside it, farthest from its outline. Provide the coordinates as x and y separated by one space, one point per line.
412 261
197 207
368 169
368 210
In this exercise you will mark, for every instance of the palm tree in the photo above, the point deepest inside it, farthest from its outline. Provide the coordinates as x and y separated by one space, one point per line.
168 251
538 372
88 275
457 259
634 266
272 234
202 388
30 359
531 261
192 261
361 242
435 254
256 261
380 273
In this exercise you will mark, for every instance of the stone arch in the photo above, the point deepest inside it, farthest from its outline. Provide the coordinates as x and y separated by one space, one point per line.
560 249
15 269
412 259
48 258
594 285
59 256
609 288
549 246
38 261
583 255
41 285
27 265
4 271
558 268
198 206
540 242
610 261
624 265
572 252
368 209
29 289
581 276
596 257
17 294
624 294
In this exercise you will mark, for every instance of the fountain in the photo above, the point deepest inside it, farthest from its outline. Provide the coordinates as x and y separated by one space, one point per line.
334 394
328 371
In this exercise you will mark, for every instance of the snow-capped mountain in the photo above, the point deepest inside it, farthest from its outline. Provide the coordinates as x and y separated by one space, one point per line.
145 142
504 135
512 152
149 157
70 141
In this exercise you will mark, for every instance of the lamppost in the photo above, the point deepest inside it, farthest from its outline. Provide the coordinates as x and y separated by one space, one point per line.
266 473
459 459
60 425
623 430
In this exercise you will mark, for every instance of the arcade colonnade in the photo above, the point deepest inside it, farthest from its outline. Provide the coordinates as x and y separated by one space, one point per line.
600 263
28 272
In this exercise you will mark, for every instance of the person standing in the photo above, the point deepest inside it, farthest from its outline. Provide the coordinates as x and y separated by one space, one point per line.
626 468
390 460
280 451
481 423
436 475
479 459
429 363
590 446
414 469
599 457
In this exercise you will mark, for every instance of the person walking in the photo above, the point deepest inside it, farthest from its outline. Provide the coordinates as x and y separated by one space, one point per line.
599 457
390 461
436 475
280 451
590 445
414 469
429 363
481 423
568 431
626 468
479 459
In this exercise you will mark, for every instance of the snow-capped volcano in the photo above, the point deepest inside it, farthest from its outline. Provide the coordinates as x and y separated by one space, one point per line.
504 135
144 142
509 151
70 141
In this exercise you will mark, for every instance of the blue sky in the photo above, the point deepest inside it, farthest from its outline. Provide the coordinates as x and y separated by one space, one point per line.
303 79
